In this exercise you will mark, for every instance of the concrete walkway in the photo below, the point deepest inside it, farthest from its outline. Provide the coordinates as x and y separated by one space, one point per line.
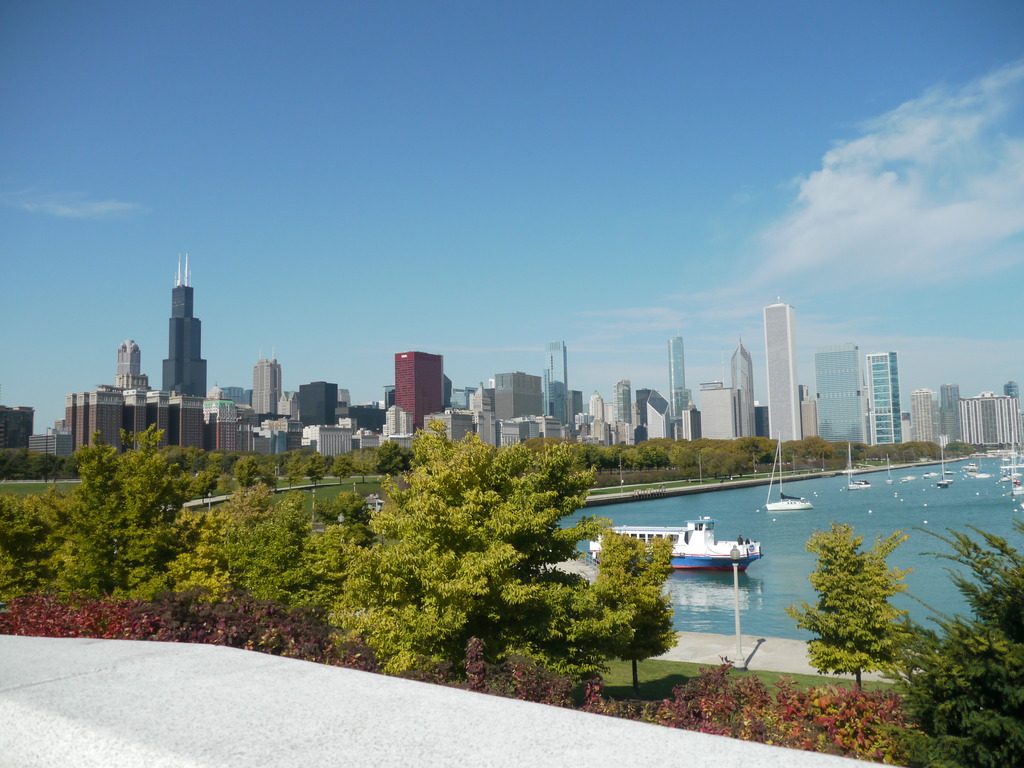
768 654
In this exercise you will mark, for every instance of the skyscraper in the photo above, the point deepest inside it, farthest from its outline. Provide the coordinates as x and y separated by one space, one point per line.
129 359
419 378
266 385
841 415
742 368
780 366
623 396
318 402
923 416
517 394
1011 389
990 419
884 398
678 395
717 411
184 368
949 411
556 387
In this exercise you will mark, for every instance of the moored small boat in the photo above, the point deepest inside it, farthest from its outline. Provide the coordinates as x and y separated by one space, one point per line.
693 545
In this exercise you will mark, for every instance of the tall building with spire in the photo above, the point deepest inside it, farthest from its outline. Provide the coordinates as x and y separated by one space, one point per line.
742 369
780 365
184 368
557 401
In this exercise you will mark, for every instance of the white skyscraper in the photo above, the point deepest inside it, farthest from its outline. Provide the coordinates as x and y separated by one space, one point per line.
990 419
266 386
742 369
841 406
717 411
924 416
780 361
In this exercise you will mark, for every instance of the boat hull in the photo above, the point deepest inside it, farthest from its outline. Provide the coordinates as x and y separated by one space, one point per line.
788 506
711 562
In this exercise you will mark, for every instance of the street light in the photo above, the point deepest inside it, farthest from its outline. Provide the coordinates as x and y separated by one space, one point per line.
735 555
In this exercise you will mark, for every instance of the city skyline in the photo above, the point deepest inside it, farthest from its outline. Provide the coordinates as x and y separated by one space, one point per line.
332 170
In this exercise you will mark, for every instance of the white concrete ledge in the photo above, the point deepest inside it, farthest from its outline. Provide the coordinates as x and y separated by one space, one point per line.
112 703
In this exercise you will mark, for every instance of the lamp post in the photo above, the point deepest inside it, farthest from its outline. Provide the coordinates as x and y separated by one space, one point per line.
735 555
700 467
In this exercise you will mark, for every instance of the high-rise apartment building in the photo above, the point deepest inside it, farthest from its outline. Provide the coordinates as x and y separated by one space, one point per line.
678 395
781 369
184 368
517 394
623 398
318 403
990 420
557 400
924 416
949 411
840 396
884 398
419 384
742 370
266 386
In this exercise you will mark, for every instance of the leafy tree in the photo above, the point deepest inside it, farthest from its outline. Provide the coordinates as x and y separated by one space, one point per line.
631 577
117 531
295 468
342 467
202 562
247 472
350 511
364 462
964 685
857 629
204 483
393 459
265 545
25 545
316 468
470 544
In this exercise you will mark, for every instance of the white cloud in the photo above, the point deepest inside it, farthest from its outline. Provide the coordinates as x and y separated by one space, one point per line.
75 206
932 184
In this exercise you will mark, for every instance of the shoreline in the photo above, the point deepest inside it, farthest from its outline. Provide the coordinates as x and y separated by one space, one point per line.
647 491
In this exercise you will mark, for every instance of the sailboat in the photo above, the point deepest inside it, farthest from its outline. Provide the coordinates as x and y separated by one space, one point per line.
945 482
785 503
888 470
851 484
1016 489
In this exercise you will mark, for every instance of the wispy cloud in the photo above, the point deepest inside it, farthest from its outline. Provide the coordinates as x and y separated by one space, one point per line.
74 206
931 185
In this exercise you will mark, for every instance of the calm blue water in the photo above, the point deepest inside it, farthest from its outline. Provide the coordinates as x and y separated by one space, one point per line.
704 600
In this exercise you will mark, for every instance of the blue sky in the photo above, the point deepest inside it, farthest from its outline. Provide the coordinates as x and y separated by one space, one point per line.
352 180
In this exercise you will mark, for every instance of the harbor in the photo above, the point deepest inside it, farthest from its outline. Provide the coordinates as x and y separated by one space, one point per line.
704 601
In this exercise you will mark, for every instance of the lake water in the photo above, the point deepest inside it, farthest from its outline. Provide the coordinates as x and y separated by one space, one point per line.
704 601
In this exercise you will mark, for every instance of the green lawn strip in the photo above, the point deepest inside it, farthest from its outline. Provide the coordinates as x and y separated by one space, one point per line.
35 489
658 678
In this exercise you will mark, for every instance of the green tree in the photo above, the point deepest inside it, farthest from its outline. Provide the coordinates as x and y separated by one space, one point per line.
856 627
631 578
247 472
470 544
342 467
25 545
316 468
393 459
295 468
265 544
964 685
118 532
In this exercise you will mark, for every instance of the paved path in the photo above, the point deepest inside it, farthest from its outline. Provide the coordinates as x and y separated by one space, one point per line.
768 654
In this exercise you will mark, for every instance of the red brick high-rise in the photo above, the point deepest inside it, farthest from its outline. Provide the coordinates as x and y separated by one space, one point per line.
419 386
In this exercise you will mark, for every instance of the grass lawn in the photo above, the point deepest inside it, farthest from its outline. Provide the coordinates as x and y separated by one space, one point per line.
658 678
35 489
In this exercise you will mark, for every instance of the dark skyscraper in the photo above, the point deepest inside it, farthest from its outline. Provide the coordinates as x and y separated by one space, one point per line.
184 368
318 402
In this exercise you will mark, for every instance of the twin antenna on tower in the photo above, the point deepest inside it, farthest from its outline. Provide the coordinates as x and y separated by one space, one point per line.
188 275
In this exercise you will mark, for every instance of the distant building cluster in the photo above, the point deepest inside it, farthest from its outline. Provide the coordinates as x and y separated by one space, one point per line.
856 398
